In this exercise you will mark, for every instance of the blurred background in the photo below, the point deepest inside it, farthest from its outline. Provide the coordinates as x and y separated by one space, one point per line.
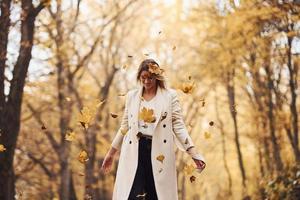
65 66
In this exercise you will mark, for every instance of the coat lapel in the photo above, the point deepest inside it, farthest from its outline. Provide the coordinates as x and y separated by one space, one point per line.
157 109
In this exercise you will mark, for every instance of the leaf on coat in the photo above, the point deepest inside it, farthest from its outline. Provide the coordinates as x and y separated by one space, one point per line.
160 158
113 115
192 179
186 141
164 116
189 169
71 136
124 131
147 115
2 148
207 135
83 156
141 195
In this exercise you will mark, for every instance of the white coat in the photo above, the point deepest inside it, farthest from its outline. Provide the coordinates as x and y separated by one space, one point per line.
169 129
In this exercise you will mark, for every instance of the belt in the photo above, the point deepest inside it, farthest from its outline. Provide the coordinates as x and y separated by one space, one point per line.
141 135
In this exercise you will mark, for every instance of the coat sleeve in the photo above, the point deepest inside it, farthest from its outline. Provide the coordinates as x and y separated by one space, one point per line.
179 128
117 141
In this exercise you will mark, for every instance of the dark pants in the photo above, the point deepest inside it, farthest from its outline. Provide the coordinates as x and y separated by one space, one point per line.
143 185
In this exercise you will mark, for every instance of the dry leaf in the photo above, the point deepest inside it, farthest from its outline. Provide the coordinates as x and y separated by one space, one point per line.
192 179
114 115
174 48
43 127
186 141
154 69
2 148
147 115
124 131
189 169
188 87
160 158
83 156
68 99
207 135
85 117
71 136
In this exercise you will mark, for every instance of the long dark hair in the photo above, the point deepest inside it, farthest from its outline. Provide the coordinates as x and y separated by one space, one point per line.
144 66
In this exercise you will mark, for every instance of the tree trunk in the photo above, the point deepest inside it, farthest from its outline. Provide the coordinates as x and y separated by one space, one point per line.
11 107
233 112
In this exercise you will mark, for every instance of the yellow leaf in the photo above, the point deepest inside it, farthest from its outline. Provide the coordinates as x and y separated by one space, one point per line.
207 135
188 169
85 117
99 103
154 69
147 115
83 156
2 148
70 136
188 87
160 158
124 131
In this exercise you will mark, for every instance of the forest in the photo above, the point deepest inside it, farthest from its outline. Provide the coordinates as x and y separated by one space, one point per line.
66 66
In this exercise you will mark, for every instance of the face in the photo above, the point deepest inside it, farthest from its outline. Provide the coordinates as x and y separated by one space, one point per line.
148 80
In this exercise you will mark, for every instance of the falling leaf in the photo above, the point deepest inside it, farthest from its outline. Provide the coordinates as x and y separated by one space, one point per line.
71 136
83 156
159 32
211 123
2 148
85 117
189 169
190 78
141 195
174 48
207 135
160 158
43 127
154 69
121 94
192 179
124 66
188 87
147 115
99 103
129 56
146 54
124 131
81 174
113 115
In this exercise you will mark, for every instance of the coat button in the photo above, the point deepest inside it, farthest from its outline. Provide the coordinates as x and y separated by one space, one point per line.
130 142
165 141
164 126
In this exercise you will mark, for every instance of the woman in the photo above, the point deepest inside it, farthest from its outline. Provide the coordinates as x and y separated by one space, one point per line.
151 123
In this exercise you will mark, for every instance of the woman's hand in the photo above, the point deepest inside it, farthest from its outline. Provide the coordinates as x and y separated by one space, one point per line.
108 160
197 158
200 164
